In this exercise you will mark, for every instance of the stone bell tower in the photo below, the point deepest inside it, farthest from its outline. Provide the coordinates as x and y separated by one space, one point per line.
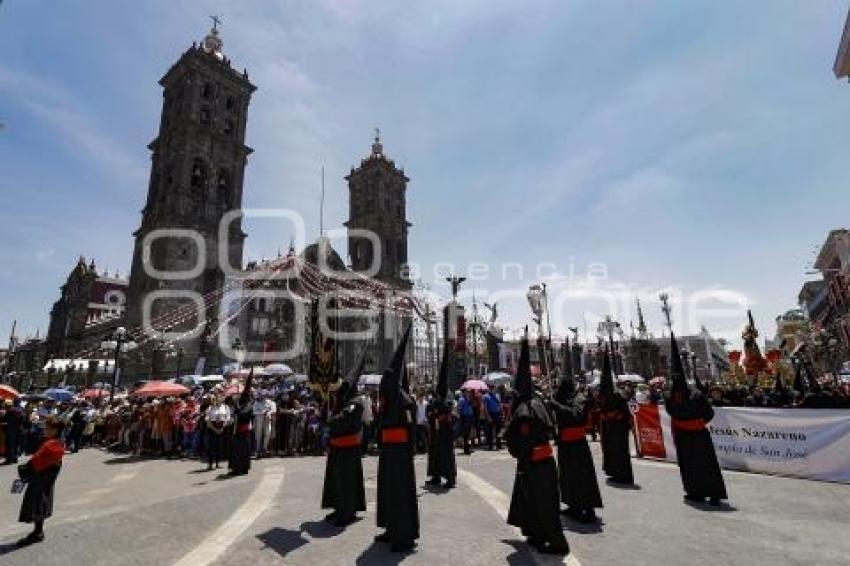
378 203
197 169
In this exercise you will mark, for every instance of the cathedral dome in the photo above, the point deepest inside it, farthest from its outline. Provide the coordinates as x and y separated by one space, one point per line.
331 259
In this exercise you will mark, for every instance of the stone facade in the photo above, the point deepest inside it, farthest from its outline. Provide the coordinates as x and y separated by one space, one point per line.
197 170
90 306
378 204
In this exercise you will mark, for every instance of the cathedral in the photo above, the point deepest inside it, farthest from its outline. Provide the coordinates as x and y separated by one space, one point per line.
188 251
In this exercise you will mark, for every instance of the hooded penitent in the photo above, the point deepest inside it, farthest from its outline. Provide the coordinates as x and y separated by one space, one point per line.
566 390
522 384
348 387
606 383
390 386
397 508
677 370
443 378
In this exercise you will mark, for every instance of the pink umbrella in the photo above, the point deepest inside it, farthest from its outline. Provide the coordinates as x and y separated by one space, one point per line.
474 385
89 393
160 389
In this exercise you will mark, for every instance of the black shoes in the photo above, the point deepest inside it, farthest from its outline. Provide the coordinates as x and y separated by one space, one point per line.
714 501
694 499
343 521
433 481
31 538
402 546
330 517
450 485
549 548
383 537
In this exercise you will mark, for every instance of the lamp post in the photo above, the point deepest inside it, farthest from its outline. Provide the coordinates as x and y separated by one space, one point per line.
535 297
119 342
608 327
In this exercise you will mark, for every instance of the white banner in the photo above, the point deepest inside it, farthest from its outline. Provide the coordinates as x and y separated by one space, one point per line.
802 443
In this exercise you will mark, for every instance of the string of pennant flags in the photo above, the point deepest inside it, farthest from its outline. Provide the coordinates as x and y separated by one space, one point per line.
304 282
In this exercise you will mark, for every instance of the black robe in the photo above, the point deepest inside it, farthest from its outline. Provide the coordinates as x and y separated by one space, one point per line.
695 453
441 453
398 509
534 500
614 427
240 447
431 412
579 488
343 489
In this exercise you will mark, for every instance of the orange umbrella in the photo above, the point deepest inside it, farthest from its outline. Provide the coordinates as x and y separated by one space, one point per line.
8 392
160 389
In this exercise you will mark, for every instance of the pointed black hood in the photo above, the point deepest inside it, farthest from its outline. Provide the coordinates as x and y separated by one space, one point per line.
566 390
606 382
522 384
443 379
677 370
405 379
391 380
348 387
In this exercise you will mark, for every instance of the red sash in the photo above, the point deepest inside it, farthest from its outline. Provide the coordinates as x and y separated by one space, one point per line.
572 434
349 441
397 435
540 453
245 427
691 425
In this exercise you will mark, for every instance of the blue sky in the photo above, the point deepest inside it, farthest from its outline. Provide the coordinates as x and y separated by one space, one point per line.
686 145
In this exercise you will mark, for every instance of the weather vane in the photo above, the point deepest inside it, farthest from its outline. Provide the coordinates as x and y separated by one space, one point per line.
216 22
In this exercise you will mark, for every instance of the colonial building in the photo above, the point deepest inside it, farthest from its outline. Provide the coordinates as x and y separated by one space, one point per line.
833 261
276 315
642 354
197 170
813 299
701 353
792 328
91 304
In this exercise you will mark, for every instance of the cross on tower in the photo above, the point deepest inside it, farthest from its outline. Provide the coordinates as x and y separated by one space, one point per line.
377 135
216 22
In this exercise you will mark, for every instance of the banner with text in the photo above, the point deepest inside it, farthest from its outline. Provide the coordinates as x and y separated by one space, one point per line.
803 443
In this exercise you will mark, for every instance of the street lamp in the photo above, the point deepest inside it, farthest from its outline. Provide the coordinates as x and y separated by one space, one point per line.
536 297
119 342
608 327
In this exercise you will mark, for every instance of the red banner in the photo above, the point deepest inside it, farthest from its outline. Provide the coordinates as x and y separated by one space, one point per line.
648 430
460 343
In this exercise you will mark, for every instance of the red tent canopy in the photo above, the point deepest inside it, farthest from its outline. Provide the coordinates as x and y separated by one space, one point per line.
8 392
160 389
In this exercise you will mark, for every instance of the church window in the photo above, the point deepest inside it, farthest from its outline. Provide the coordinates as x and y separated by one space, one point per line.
230 103
206 91
198 175
204 116
224 188
229 127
